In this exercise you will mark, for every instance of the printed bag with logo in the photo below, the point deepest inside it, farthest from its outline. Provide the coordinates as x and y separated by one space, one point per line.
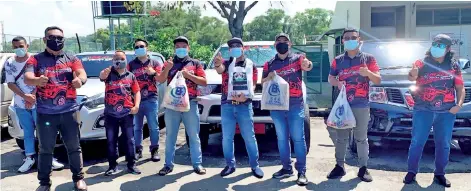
275 94
176 97
341 116
241 80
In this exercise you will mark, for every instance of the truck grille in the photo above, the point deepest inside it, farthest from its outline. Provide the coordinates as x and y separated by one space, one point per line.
215 111
467 98
395 96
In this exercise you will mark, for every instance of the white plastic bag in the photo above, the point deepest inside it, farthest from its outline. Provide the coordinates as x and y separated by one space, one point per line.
176 97
341 116
275 94
241 80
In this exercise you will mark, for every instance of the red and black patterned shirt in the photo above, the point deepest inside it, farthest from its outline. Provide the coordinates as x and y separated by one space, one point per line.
191 65
120 90
147 83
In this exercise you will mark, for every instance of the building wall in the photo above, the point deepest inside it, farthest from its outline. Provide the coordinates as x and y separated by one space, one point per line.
346 15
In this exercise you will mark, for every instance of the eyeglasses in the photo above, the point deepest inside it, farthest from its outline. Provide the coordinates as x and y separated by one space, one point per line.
439 45
140 46
57 38
350 37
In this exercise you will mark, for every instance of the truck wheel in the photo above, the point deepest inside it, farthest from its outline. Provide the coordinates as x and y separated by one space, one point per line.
465 146
204 137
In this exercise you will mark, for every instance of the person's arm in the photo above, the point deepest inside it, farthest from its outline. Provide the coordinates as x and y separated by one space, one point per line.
158 71
219 64
165 70
255 76
30 77
137 93
333 75
266 76
459 86
373 67
414 72
78 69
199 77
306 65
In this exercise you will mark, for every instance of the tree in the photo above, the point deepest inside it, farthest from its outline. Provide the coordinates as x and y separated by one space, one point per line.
311 22
234 13
266 27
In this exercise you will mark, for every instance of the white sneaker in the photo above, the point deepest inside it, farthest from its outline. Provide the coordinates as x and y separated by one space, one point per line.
28 163
56 165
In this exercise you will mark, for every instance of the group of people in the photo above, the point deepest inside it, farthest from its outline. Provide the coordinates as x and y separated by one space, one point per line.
131 94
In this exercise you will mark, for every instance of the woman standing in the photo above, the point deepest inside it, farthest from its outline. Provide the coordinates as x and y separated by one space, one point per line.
437 77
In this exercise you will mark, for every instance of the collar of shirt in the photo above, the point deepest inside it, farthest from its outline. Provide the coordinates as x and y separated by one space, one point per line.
140 62
182 60
290 54
357 55
115 72
61 53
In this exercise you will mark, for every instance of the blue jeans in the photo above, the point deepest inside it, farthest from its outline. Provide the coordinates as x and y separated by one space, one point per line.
149 109
422 122
241 114
291 124
191 120
27 119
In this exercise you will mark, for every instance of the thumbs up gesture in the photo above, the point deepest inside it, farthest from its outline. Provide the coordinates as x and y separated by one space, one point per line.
364 71
42 80
105 73
149 70
414 72
76 82
169 63
218 60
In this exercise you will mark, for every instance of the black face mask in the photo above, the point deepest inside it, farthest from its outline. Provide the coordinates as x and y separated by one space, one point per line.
55 44
282 48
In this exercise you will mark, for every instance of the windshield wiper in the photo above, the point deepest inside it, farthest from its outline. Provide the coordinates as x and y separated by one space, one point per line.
394 67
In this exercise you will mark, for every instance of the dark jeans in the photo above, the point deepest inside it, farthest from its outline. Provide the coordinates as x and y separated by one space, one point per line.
112 125
47 127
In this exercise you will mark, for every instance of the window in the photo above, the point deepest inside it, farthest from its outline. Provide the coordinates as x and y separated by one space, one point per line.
466 16
424 17
383 19
446 17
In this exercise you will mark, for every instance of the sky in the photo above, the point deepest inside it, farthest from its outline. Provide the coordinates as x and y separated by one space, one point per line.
31 17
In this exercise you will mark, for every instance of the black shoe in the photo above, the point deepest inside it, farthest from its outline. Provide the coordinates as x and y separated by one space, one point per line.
337 172
283 173
165 170
138 153
440 179
302 180
44 188
227 171
410 177
364 174
111 171
257 172
134 170
154 155
200 170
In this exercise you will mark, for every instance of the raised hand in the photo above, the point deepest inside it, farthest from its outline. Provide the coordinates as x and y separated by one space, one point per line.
414 72
218 60
364 71
105 73
340 84
169 63
150 70
42 80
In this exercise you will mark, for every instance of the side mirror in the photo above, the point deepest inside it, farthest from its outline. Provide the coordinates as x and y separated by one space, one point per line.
204 64
464 64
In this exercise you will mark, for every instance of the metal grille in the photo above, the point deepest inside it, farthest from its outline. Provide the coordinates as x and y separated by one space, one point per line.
395 96
467 98
218 89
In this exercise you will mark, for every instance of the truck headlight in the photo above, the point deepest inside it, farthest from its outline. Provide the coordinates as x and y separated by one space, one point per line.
206 90
95 101
378 95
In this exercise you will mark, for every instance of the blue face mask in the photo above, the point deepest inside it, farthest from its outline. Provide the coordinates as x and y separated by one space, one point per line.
140 52
235 52
20 52
350 45
437 52
181 52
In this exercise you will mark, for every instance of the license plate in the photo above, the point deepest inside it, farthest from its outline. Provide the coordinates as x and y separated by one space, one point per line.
256 104
259 128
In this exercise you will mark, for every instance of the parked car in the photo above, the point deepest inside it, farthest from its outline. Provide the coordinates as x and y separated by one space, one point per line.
91 98
209 104
6 95
392 102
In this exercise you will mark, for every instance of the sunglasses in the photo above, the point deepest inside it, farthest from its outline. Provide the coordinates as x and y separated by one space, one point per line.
439 45
57 38
140 46
350 37
21 46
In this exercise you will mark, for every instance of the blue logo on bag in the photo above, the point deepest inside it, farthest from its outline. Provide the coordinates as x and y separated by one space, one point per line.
339 111
178 92
274 89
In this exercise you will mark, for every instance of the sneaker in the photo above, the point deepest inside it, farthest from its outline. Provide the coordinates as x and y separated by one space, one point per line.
302 180
440 179
134 170
364 174
111 171
337 172
283 173
154 155
28 162
227 171
56 165
165 170
200 170
257 172
44 188
138 153
410 177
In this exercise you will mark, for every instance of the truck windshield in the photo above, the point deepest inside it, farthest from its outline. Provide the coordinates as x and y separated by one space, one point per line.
94 64
258 54
396 54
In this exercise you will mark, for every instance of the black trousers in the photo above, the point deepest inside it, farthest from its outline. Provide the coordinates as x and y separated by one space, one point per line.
112 125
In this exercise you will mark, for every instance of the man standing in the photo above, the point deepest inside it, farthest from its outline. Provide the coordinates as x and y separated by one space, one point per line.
354 69
193 72
121 104
57 75
289 123
146 72
25 101
237 109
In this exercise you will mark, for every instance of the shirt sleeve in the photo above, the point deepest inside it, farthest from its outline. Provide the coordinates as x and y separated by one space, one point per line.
255 75
458 76
301 57
199 70
76 64
31 63
226 66
333 68
9 78
157 67
135 85
265 70
373 65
